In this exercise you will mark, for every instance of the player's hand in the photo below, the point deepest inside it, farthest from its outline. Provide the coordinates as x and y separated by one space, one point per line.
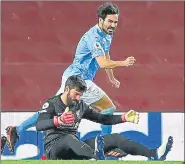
115 82
129 61
131 116
66 118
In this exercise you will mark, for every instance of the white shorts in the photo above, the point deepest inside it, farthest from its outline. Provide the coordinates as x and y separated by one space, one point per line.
92 95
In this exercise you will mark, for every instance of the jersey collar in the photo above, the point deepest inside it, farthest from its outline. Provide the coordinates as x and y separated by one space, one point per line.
100 31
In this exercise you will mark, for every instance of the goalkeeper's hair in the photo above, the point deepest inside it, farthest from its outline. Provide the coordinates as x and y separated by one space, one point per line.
76 82
107 9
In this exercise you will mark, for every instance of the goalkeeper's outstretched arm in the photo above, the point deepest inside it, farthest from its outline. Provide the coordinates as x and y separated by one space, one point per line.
92 115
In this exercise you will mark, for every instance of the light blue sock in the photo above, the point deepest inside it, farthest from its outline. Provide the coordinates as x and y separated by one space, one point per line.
107 129
30 122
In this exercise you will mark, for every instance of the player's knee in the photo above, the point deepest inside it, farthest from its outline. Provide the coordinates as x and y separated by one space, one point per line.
109 110
116 136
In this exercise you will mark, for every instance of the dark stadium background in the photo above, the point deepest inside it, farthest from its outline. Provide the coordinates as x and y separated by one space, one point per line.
39 41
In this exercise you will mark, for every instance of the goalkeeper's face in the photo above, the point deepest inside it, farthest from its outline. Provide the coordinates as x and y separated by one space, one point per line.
73 97
109 24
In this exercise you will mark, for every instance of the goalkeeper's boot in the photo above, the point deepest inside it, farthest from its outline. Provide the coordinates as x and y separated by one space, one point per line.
3 142
115 154
12 137
99 147
164 149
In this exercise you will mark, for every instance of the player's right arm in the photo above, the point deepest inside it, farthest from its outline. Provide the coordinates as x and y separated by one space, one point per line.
96 48
46 115
48 118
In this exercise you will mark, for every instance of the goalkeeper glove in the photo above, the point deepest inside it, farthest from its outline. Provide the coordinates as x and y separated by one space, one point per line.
131 116
66 118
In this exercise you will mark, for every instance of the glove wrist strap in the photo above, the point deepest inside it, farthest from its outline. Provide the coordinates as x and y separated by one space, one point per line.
55 121
123 118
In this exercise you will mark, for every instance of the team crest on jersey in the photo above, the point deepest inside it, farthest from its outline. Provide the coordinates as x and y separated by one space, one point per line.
43 111
46 105
97 45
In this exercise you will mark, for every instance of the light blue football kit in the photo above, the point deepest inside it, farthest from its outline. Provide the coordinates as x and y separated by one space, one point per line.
92 44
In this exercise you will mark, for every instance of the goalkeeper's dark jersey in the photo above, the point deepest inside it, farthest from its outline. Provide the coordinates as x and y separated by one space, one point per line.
55 107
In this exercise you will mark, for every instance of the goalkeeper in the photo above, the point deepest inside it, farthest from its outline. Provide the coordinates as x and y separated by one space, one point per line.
61 115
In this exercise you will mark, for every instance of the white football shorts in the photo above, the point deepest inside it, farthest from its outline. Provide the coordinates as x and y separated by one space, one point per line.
92 95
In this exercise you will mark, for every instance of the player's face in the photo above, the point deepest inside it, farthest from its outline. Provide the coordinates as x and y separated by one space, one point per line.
73 97
109 24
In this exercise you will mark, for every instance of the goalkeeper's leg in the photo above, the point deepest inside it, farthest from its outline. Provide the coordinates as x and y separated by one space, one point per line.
134 148
70 147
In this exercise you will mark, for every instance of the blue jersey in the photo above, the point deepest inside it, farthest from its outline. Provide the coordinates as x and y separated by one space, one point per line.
92 44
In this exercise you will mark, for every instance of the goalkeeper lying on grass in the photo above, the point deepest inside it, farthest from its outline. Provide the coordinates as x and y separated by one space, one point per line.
61 116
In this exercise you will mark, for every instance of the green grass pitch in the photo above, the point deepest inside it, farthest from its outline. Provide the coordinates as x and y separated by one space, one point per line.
86 162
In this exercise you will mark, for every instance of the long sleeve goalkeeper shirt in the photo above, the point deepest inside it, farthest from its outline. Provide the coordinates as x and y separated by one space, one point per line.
55 107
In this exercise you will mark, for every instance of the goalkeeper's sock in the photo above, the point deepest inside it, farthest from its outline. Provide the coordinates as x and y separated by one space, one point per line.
30 122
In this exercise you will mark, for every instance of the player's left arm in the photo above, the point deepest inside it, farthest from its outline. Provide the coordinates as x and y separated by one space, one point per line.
92 115
110 74
109 71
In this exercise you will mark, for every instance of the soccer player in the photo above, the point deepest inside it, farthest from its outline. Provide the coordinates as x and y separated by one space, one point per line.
61 115
91 54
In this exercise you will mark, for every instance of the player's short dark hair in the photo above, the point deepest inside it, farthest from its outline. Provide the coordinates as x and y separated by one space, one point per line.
107 9
76 82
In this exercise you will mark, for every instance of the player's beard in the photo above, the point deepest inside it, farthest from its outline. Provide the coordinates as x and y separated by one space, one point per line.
71 102
107 29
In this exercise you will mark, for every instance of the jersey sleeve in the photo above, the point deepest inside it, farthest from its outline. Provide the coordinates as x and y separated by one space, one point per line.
95 116
95 46
45 119
99 46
